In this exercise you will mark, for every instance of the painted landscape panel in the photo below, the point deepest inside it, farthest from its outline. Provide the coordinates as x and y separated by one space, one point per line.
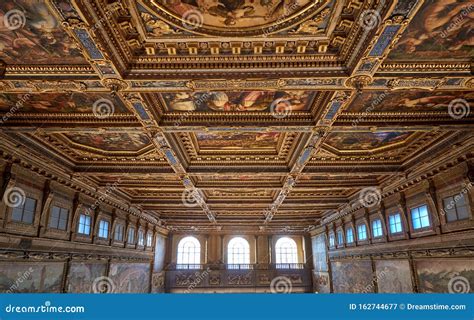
445 275
130 277
393 276
81 276
352 277
31 277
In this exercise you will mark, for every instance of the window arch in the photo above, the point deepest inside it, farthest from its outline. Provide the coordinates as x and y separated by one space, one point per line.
286 252
238 253
189 253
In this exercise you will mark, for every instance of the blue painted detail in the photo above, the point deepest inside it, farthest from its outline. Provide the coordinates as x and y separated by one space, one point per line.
141 111
335 106
88 44
170 157
384 40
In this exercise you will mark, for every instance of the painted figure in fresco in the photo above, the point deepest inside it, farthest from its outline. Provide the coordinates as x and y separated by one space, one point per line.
443 25
40 40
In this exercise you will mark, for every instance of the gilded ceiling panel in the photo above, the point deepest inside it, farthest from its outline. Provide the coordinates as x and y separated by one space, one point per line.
442 29
238 141
102 105
132 142
31 34
280 102
365 140
407 101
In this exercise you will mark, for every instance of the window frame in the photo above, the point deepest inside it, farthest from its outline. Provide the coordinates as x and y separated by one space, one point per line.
290 252
378 227
396 233
121 226
350 230
359 239
23 210
454 203
99 229
241 257
420 217
78 229
193 257
61 211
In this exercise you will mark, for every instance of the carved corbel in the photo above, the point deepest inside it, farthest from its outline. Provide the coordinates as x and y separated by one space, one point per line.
358 82
115 85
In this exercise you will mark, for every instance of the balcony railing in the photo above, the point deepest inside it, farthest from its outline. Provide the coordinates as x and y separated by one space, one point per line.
236 277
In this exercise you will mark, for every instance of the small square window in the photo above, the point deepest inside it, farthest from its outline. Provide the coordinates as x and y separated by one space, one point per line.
419 217
58 218
395 223
25 212
362 232
377 230
456 208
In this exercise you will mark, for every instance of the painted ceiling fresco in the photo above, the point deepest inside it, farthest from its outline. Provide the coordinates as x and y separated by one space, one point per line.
97 103
365 140
237 141
442 29
111 141
264 101
407 101
235 14
30 34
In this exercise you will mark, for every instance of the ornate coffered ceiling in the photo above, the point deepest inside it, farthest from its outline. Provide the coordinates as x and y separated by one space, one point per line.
236 115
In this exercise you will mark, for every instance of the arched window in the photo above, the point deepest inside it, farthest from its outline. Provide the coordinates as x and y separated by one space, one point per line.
189 253
238 254
286 253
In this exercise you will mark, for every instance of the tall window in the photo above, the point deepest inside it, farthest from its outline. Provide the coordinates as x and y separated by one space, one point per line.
131 236
419 217
349 235
362 232
395 223
286 252
332 241
141 239
377 228
189 253
58 218
103 229
238 253
118 232
84 226
25 212
456 208
149 239
340 237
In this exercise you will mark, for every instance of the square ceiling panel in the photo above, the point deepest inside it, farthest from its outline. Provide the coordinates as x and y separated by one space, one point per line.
33 35
266 141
